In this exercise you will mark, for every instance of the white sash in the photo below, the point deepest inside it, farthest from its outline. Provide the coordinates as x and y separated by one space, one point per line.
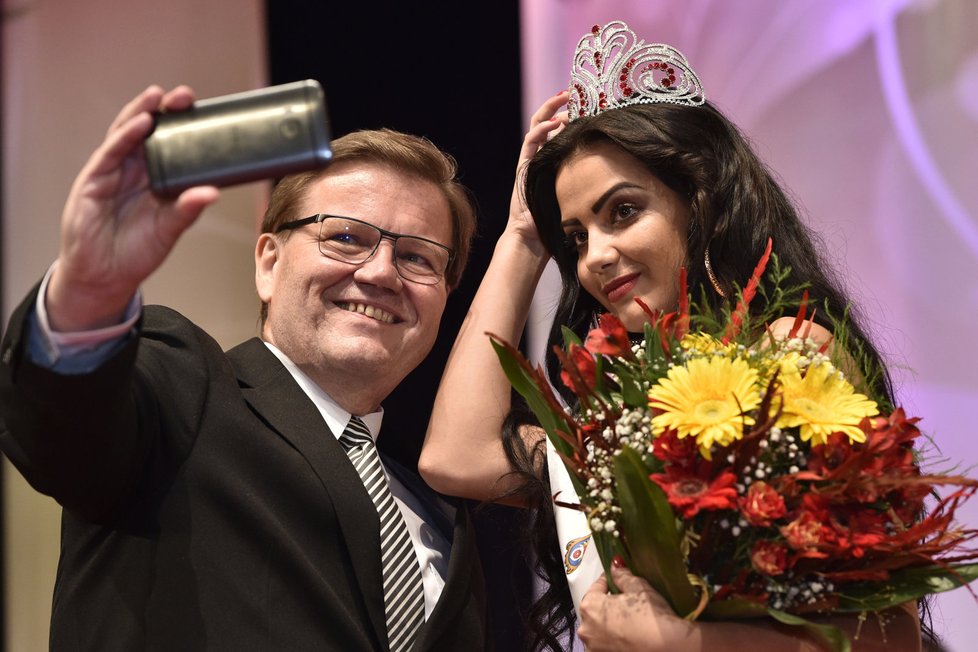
582 565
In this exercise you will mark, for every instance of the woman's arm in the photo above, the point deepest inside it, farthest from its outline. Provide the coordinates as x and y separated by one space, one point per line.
463 453
639 619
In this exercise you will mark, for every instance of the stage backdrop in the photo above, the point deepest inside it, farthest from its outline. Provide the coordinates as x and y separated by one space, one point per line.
68 68
868 111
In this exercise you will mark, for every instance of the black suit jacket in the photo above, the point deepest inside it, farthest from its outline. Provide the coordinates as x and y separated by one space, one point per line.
206 504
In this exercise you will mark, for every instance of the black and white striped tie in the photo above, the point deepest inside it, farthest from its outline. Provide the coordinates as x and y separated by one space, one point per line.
403 588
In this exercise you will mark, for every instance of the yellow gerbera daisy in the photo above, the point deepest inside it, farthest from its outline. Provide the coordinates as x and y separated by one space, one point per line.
785 362
823 402
707 398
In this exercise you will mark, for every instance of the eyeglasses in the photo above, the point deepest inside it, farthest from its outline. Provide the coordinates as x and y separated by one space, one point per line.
353 241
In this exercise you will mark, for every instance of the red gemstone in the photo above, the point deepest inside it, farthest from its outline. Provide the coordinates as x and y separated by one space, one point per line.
595 29
655 65
622 77
628 91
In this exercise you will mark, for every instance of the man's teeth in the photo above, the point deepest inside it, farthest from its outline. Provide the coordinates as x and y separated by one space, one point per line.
369 311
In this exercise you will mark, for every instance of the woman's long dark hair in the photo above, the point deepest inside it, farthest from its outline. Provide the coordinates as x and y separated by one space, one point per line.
735 207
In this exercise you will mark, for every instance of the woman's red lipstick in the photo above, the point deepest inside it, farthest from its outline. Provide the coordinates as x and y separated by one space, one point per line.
619 287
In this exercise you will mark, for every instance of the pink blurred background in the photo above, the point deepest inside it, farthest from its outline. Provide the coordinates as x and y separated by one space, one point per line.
868 112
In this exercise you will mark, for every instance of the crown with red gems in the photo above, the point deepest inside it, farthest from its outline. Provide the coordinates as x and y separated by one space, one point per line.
613 68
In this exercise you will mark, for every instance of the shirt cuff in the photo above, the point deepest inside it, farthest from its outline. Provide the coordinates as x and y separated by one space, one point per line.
51 348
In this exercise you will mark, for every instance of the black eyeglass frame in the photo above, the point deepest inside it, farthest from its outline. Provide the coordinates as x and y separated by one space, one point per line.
319 218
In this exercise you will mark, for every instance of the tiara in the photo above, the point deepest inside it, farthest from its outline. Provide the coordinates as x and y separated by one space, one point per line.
613 68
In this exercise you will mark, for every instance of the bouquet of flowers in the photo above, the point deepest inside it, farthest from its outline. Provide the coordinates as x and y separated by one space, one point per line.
743 474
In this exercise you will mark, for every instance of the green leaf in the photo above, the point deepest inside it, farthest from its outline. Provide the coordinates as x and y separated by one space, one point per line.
570 337
653 351
526 384
828 635
631 390
652 538
608 546
905 585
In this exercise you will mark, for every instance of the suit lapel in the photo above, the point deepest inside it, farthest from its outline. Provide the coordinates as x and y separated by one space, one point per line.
277 398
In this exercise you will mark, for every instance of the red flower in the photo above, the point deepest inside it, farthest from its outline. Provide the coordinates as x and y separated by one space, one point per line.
740 312
689 492
669 448
762 504
584 364
609 338
891 441
769 557
830 455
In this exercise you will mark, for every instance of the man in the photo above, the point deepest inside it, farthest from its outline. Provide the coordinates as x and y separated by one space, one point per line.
230 501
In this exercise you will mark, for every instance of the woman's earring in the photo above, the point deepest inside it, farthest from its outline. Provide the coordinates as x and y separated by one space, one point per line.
710 275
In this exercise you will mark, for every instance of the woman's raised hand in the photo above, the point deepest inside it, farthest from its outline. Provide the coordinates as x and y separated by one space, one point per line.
546 122
114 231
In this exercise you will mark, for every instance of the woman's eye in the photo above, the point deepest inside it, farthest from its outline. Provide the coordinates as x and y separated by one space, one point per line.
575 239
623 212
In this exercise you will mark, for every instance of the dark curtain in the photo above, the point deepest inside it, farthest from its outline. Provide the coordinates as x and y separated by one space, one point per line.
450 72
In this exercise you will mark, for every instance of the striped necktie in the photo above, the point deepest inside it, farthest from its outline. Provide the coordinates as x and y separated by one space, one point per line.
403 588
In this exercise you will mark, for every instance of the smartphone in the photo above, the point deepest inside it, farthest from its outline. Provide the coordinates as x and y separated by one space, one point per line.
222 141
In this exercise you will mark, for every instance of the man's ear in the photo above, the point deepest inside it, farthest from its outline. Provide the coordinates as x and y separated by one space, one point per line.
266 259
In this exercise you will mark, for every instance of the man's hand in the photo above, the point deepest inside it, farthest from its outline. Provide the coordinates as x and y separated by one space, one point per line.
114 232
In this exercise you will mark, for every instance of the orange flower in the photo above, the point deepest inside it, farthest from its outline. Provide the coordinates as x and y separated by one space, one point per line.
806 533
769 557
762 504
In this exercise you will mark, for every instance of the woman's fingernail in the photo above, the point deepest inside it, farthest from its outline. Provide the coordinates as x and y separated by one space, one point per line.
561 92
553 119
618 562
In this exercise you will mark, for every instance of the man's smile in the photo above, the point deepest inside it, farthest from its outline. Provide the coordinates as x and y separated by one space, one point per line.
370 311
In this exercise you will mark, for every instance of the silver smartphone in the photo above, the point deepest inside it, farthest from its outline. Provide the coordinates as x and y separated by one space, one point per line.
222 141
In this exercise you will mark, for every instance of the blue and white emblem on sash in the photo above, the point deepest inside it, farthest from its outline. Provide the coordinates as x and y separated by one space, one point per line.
575 553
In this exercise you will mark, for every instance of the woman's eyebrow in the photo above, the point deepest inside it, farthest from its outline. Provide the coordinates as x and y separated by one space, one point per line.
596 207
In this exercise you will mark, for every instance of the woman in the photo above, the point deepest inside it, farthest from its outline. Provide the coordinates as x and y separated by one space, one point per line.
636 185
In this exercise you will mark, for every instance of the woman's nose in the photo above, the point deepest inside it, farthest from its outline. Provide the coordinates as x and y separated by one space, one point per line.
601 251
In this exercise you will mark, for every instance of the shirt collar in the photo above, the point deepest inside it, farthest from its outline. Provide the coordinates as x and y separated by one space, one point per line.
335 416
